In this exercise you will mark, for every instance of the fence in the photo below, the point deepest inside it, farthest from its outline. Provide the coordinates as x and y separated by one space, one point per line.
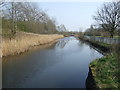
104 39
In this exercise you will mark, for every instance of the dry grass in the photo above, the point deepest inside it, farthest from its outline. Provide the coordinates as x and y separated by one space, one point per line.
24 41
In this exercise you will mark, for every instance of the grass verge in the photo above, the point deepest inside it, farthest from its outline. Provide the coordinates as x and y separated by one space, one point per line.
105 71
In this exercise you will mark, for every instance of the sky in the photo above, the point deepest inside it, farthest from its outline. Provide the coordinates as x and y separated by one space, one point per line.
74 15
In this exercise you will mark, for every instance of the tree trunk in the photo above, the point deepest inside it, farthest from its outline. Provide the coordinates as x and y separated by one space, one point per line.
111 34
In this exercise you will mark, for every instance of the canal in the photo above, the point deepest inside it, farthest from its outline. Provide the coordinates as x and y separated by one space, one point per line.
64 64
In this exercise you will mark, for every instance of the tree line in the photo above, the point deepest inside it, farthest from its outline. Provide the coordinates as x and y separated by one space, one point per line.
25 16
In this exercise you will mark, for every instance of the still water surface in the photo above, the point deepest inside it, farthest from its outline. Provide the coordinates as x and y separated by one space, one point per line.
61 65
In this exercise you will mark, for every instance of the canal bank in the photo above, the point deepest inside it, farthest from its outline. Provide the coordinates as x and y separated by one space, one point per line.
24 41
104 48
103 72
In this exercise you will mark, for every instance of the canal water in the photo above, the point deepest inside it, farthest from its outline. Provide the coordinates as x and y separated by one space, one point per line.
64 64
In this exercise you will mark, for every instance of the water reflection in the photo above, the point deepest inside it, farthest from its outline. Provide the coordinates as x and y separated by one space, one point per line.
62 42
61 65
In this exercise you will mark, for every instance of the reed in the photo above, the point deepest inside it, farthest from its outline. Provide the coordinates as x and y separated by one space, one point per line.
24 41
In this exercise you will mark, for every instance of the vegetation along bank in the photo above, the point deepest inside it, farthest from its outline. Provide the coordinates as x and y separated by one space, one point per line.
25 25
24 41
104 71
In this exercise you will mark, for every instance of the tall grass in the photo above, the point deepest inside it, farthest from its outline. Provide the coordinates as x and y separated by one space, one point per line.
24 41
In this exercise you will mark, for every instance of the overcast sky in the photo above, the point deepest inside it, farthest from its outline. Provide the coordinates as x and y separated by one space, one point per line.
73 15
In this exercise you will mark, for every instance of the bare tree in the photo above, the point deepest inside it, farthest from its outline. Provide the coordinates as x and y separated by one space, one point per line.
62 28
10 12
26 16
108 17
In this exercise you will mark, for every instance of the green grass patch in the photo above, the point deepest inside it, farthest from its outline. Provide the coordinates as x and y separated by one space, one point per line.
109 36
105 71
116 36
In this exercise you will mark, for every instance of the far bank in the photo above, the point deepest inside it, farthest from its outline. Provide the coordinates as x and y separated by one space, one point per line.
24 41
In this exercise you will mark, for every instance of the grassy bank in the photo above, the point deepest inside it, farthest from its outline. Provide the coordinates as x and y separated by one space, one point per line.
24 41
105 71
108 36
